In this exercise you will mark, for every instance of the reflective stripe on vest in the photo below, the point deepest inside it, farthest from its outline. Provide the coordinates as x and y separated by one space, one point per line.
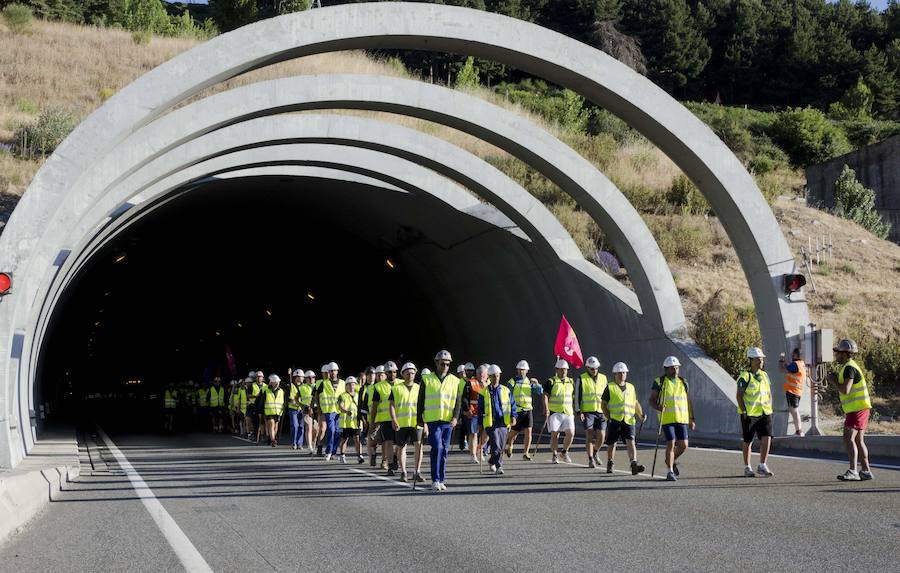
293 396
504 407
383 414
305 392
328 396
440 397
795 381
592 391
274 402
622 403
203 397
348 402
857 399
406 402
521 391
675 406
757 394
216 397
242 401
561 393
171 399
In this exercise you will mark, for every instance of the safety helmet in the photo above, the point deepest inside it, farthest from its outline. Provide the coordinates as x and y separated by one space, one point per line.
443 355
390 366
470 366
425 371
483 368
326 368
522 365
619 367
592 362
561 363
408 366
370 370
494 369
332 366
299 372
260 373
461 369
249 379
252 374
847 345
309 374
379 369
755 352
274 378
350 380
671 361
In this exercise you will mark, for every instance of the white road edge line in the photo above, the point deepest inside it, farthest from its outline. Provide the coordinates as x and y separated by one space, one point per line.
190 558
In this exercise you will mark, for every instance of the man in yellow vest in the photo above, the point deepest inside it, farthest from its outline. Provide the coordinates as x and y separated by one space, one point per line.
202 405
559 392
217 405
294 411
439 403
305 392
259 400
496 414
348 403
669 396
366 381
404 406
170 403
390 370
794 383
239 404
321 423
382 431
522 387
589 388
326 398
856 404
754 400
273 407
371 442
619 404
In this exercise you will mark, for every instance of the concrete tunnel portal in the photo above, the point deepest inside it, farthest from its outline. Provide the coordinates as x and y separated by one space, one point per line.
172 235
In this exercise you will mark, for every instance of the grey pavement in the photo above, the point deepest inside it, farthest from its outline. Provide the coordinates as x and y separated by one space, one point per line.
247 507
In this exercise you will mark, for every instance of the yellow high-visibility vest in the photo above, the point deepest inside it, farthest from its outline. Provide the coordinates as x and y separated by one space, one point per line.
440 397
857 399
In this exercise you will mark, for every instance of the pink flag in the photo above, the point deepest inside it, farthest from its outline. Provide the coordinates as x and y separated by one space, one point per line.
567 346
229 357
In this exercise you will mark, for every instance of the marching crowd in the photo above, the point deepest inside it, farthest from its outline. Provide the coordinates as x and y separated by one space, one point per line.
389 409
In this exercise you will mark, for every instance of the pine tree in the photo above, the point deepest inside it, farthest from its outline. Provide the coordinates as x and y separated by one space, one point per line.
883 82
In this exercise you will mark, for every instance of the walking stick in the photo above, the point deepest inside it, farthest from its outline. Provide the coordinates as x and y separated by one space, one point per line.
541 436
660 400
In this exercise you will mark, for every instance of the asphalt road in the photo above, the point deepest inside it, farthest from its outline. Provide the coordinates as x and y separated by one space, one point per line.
250 508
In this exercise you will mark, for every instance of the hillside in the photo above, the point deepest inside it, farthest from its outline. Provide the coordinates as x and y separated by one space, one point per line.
75 68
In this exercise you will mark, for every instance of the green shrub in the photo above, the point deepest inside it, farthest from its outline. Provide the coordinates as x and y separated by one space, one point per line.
562 106
680 237
467 78
880 356
18 18
847 269
866 131
147 15
824 269
603 122
26 106
105 93
44 134
808 136
141 37
685 194
643 198
598 149
724 331
185 26
855 202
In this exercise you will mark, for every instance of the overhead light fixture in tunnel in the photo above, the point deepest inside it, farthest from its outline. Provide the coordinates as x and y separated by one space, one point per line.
218 333
239 325
119 258
390 263
268 312
310 296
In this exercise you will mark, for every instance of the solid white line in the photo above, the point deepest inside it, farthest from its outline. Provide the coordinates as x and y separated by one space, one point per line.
188 555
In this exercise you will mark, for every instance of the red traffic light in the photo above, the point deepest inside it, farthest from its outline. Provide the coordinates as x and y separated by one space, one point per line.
5 283
793 283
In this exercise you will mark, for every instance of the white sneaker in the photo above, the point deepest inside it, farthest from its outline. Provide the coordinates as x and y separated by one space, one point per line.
555 459
443 486
566 458
493 468
748 472
499 471
435 486
343 459
475 460
763 470
596 459
327 457
849 475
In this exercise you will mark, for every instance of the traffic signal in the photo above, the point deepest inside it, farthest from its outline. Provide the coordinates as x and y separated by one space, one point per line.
793 283
5 283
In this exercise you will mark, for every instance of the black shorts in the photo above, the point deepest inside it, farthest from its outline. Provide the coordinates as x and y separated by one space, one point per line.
407 436
524 420
385 432
619 431
594 421
251 410
793 401
275 417
349 432
759 426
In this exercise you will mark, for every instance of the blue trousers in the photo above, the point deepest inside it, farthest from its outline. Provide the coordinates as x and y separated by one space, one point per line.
497 442
439 439
297 427
332 433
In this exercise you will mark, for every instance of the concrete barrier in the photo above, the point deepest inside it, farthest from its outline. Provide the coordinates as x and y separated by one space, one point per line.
28 489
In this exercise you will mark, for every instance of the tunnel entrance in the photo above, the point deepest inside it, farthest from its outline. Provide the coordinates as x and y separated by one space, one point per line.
285 272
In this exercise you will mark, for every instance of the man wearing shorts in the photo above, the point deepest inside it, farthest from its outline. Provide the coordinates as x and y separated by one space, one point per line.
619 404
588 390
559 393
326 397
754 401
372 444
348 404
273 407
794 382
471 391
380 421
669 396
521 387
404 406
496 413
856 404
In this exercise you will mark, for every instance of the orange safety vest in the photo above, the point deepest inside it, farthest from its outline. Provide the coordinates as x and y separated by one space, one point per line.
475 389
795 381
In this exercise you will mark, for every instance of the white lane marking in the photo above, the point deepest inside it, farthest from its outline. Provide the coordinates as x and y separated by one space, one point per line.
188 555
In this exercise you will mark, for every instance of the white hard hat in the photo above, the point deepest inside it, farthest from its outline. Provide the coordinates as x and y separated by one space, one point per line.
671 361
252 374
562 364
332 366
494 369
299 372
408 366
390 366
379 369
470 366
619 367
443 355
249 379
260 373
351 380
425 371
274 378
309 374
755 352
847 345
592 362
482 368
461 369
522 365
326 368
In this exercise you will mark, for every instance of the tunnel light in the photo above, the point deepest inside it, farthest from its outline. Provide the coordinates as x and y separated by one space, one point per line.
268 312
310 296
390 263
119 258
97 323
5 283
240 325
218 333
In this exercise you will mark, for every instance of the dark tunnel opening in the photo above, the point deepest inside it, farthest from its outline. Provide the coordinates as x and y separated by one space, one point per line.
282 275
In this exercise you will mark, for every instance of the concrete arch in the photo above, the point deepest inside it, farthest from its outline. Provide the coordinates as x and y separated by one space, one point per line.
648 271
